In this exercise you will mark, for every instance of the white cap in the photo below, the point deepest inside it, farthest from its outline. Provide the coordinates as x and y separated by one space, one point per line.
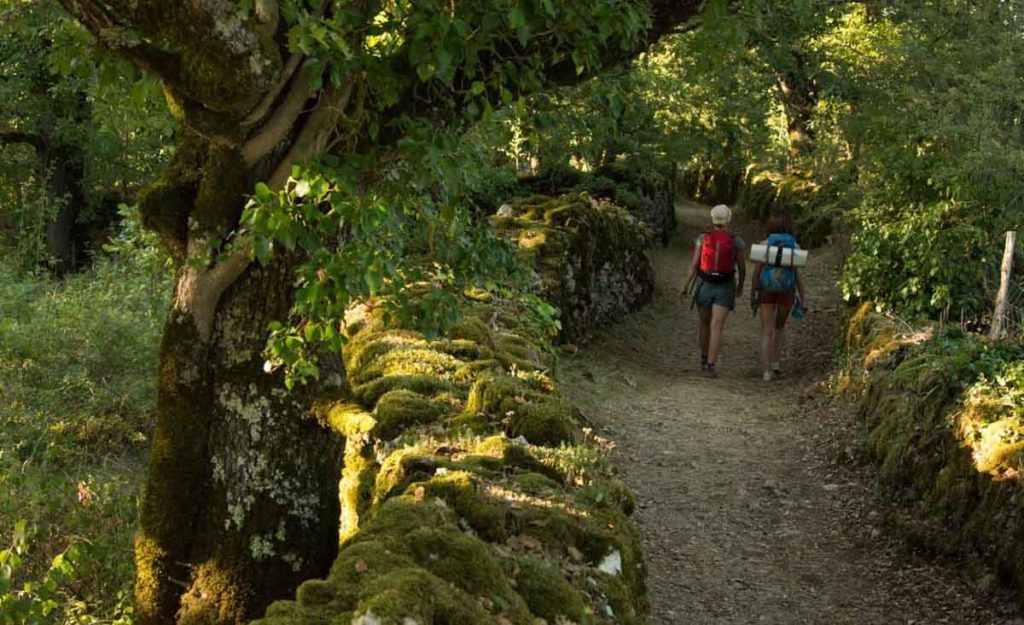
721 215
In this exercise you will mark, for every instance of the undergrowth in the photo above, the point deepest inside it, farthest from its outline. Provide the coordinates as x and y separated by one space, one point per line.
77 359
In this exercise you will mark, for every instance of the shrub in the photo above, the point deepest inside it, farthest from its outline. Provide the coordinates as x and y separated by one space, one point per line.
77 358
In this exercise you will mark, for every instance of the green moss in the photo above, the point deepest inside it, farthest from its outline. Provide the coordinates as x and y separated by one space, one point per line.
400 409
497 395
483 465
468 564
439 531
514 351
476 369
222 192
608 492
515 455
557 529
172 498
616 600
415 594
492 446
475 424
406 360
315 592
465 494
165 202
474 330
345 417
946 439
333 600
369 344
462 349
358 478
364 561
427 385
536 483
549 596
551 422
401 515
400 469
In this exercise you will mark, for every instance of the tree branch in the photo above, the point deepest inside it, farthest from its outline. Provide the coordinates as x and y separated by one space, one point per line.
280 123
315 134
261 110
228 67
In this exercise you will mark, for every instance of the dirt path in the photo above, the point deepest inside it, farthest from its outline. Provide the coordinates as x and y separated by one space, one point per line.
745 516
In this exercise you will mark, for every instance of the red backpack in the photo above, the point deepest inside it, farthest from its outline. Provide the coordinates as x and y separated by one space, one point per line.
718 255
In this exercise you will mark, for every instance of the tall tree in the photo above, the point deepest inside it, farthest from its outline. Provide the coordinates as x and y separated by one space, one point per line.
69 147
38 113
241 500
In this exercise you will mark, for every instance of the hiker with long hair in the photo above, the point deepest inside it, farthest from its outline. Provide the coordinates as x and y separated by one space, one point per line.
717 270
776 290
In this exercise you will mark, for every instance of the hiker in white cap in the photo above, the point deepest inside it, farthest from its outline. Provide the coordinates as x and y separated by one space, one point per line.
717 270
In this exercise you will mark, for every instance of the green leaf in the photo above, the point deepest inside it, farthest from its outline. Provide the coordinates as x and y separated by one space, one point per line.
516 17
425 71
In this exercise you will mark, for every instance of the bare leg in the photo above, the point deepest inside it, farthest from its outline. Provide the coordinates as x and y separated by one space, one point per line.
705 328
780 326
718 316
767 335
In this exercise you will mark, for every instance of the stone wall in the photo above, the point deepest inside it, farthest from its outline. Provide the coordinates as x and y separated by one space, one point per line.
589 256
647 194
473 492
943 418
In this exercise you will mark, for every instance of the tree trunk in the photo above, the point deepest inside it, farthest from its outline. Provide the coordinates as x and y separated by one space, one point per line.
241 504
66 167
63 166
799 99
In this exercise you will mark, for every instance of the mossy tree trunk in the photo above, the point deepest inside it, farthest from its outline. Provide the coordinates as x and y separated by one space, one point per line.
241 501
241 504
799 97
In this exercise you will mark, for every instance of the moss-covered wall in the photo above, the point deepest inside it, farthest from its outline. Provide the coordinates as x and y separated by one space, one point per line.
943 417
647 194
472 492
589 257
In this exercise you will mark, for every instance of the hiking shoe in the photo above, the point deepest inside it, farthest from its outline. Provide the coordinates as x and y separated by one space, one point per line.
709 372
767 377
776 373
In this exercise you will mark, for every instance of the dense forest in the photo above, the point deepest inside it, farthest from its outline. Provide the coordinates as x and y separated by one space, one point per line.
249 248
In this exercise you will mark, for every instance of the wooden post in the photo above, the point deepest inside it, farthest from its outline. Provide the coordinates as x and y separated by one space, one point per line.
999 318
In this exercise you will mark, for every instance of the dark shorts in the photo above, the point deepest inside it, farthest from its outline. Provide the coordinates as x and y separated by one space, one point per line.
709 293
785 299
